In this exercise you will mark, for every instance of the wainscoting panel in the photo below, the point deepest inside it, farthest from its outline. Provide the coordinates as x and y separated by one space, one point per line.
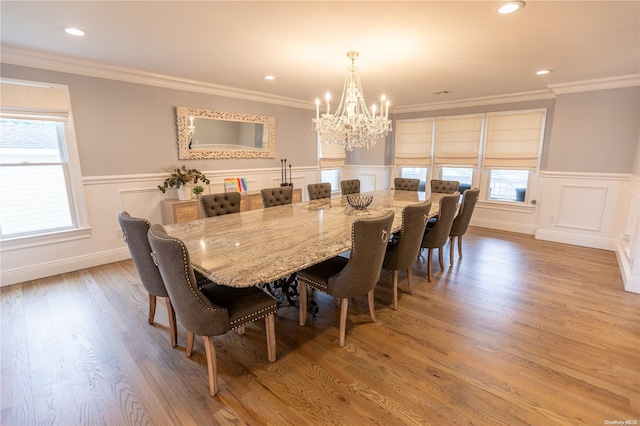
586 209
628 250
581 206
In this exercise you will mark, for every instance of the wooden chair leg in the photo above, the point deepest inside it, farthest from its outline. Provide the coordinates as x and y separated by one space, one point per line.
410 279
172 323
394 275
429 265
441 257
212 365
372 305
343 320
240 330
459 245
189 347
152 308
302 304
270 328
451 244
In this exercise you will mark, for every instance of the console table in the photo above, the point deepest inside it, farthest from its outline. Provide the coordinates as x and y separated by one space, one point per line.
176 211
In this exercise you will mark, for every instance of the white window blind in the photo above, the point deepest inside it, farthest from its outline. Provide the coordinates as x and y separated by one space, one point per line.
458 140
332 156
514 140
413 142
34 102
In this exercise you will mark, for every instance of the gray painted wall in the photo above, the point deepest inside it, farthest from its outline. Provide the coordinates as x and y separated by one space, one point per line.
596 131
124 128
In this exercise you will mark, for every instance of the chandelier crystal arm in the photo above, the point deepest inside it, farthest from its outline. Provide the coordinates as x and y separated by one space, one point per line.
352 125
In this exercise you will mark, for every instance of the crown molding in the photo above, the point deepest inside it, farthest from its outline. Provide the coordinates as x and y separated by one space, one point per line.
49 62
27 58
471 102
617 82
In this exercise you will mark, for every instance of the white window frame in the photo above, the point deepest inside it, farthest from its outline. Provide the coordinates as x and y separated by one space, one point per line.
77 203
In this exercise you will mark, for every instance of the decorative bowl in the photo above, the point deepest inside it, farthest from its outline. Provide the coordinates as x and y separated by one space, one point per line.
359 201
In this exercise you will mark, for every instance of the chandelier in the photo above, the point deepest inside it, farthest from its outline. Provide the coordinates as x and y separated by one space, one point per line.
352 125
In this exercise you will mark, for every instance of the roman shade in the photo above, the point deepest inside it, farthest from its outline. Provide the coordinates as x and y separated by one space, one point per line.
513 140
413 142
331 156
458 140
34 102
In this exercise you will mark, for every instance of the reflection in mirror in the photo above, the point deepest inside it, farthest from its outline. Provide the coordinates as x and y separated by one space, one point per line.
214 134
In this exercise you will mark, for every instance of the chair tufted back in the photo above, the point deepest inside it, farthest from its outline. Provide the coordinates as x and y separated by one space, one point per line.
403 254
319 190
277 196
444 186
461 221
219 204
369 239
134 231
405 184
193 308
438 235
351 186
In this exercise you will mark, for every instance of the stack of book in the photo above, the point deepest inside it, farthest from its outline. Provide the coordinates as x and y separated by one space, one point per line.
235 185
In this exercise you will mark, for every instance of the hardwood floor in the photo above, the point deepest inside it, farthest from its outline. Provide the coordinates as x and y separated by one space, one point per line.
518 332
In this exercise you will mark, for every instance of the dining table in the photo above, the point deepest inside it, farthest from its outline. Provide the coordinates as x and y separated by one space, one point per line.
263 246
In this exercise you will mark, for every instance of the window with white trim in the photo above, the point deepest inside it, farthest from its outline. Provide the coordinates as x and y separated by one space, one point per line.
332 177
41 185
500 152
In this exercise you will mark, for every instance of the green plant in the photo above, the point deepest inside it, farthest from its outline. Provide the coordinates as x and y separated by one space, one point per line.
198 189
182 176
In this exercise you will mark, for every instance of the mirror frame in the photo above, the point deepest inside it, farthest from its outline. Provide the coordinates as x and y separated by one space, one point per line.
184 153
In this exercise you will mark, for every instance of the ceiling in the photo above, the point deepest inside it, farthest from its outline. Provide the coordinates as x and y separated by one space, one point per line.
408 50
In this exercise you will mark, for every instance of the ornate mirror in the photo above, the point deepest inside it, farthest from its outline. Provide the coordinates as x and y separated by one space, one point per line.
203 133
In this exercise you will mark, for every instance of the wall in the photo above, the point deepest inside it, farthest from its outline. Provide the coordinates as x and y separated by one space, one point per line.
119 124
595 132
126 135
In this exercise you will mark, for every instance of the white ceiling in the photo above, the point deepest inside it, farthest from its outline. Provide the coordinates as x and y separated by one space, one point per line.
408 50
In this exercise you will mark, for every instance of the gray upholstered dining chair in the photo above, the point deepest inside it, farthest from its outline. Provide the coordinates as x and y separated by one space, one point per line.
212 309
351 186
318 191
461 221
402 254
345 278
219 204
437 236
444 186
134 233
406 184
281 195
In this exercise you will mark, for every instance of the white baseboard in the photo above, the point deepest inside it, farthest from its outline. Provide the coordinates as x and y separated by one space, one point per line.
42 270
576 240
502 225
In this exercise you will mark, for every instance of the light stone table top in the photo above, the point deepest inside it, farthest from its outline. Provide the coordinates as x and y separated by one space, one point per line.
259 246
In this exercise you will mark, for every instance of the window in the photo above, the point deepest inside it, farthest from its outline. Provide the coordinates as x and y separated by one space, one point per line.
332 177
414 173
464 175
497 151
508 185
39 195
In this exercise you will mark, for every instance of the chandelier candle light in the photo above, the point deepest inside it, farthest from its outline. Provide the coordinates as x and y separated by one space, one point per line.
352 125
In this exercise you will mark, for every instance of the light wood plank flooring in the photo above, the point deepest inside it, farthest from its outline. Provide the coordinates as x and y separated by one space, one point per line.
518 332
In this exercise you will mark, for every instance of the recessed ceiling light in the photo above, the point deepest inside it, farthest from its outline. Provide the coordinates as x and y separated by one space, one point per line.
510 7
543 72
268 77
74 31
